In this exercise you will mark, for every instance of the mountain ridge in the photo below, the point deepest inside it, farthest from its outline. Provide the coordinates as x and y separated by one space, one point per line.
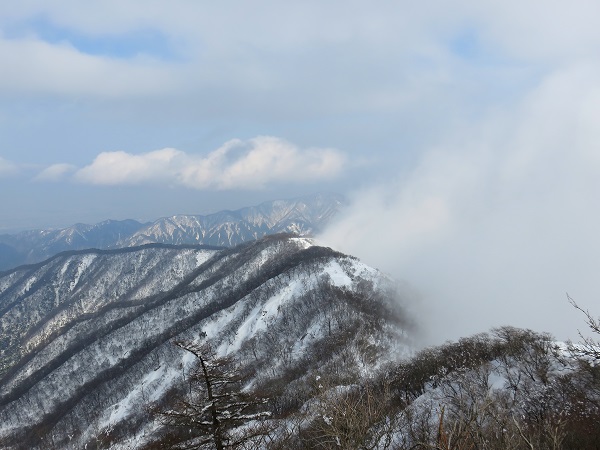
302 215
81 331
93 355
109 251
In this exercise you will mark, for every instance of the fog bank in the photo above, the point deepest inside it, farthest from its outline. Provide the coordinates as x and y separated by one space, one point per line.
495 224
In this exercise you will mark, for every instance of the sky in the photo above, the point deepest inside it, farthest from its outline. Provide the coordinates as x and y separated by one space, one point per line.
465 134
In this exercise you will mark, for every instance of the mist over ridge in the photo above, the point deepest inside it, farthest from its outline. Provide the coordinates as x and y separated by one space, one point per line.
495 224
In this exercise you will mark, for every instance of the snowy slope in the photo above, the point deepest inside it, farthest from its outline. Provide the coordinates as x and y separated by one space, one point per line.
87 337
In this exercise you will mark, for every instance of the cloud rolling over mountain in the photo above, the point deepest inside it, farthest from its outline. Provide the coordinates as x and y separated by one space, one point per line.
494 226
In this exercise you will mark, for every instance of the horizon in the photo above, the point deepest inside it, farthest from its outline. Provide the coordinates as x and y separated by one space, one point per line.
156 219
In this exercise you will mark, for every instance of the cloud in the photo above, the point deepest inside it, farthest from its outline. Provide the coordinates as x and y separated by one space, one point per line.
55 172
7 168
251 164
496 224
34 66
261 161
529 35
320 55
118 168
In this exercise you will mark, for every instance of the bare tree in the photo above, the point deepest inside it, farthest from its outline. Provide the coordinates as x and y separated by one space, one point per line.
588 346
352 417
216 413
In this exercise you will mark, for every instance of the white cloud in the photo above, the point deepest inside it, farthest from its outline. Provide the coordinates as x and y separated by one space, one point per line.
549 31
495 227
55 172
116 168
33 66
252 164
316 53
261 161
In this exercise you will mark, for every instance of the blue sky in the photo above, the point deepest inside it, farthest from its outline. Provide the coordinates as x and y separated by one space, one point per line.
472 127
124 45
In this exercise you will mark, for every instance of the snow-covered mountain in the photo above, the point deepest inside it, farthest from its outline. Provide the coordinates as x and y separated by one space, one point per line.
302 216
86 344
107 349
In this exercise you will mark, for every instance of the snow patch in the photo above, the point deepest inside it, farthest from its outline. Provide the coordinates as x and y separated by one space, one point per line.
28 285
203 256
303 242
151 388
338 275
84 263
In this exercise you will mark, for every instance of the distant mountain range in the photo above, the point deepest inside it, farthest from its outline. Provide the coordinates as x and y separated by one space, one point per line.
302 216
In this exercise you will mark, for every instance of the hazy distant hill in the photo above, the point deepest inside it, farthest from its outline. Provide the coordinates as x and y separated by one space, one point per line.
36 245
302 216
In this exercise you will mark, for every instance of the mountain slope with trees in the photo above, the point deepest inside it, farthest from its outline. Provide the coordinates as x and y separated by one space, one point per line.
274 344
88 337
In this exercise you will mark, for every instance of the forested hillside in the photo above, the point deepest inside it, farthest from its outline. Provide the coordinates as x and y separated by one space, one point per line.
88 338
274 344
